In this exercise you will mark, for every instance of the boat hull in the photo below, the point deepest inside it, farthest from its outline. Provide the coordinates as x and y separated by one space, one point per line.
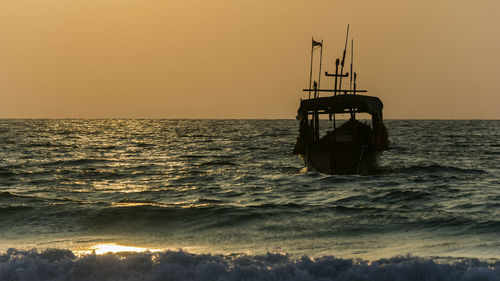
341 159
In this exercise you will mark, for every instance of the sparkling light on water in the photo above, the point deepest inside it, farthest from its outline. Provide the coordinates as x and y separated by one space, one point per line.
115 248
232 186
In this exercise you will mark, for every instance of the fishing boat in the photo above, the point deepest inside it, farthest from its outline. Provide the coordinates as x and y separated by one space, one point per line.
355 146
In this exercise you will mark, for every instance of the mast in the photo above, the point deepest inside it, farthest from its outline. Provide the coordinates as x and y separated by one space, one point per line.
320 60
311 69
354 90
352 59
353 113
316 116
343 59
336 75
314 44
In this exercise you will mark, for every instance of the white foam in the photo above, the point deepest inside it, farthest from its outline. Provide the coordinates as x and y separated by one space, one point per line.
54 264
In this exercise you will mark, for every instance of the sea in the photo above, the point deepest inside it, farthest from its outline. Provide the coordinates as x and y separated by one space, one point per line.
127 199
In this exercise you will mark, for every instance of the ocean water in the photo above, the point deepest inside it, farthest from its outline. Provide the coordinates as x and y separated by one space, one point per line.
227 200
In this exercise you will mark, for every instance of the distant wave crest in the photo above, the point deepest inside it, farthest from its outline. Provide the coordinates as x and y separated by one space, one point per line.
436 168
55 264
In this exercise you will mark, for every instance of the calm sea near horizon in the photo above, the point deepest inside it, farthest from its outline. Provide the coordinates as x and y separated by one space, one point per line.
226 200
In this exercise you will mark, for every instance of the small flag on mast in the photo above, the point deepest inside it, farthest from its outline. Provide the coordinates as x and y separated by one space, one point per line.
316 43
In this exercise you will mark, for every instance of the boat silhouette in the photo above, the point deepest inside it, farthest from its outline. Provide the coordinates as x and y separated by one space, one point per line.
351 148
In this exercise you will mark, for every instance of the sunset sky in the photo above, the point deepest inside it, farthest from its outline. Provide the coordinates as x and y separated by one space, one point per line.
243 58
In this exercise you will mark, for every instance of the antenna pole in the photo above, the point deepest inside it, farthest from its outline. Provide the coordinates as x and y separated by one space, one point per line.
343 58
336 75
316 116
353 112
334 128
320 60
354 92
311 69
352 59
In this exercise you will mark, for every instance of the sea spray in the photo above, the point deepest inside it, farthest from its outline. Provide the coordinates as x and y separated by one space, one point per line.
178 265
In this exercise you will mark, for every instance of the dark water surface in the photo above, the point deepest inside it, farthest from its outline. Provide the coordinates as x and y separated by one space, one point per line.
232 186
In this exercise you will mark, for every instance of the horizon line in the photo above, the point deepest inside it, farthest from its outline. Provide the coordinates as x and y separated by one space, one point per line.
182 118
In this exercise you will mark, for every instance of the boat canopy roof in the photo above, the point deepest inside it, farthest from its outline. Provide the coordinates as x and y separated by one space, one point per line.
341 104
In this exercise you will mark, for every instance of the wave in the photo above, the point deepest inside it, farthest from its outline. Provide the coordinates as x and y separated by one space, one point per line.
14 208
137 216
6 194
75 162
6 173
147 217
58 264
401 196
218 163
436 168
49 144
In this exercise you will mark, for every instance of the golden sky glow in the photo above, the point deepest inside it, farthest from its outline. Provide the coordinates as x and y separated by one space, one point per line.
243 59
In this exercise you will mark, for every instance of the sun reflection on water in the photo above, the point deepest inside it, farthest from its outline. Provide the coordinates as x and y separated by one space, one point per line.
115 248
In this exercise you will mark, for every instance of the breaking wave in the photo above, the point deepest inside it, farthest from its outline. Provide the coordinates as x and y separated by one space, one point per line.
55 264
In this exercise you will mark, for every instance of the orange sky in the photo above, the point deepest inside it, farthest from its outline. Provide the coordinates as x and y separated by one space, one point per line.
242 58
